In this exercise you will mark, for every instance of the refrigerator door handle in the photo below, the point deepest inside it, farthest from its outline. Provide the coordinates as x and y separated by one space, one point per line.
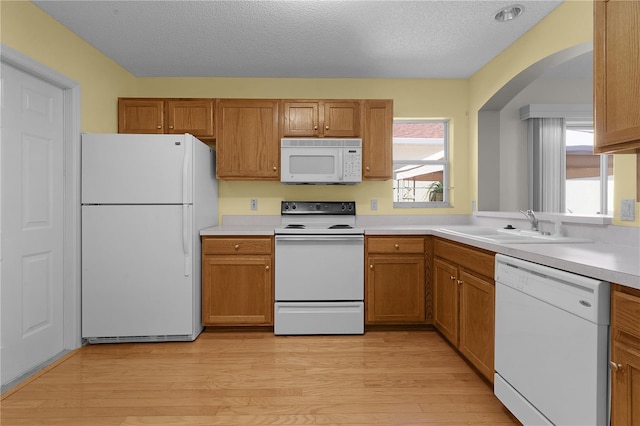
186 237
186 160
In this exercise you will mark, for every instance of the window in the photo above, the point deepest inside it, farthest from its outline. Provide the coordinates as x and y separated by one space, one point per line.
589 177
420 163
565 174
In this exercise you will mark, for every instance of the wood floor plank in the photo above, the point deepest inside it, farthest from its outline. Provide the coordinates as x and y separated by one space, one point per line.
256 378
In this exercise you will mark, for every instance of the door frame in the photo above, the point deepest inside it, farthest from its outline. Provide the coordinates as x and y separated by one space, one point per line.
71 204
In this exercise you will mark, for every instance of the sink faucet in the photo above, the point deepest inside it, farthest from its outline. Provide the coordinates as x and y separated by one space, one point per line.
531 216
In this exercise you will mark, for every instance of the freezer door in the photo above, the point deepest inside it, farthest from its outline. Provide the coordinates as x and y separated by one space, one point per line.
134 280
136 169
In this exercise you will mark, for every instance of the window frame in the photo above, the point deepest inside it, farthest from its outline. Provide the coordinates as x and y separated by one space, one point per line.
444 163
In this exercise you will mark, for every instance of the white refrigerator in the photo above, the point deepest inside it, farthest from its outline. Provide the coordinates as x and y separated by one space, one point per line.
144 200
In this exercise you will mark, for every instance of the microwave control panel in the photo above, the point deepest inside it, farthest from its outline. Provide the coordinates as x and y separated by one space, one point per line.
352 165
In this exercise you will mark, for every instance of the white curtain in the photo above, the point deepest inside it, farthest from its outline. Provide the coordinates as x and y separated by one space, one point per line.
546 147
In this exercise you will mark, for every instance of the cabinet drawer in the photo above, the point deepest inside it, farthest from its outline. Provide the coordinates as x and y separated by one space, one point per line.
625 311
236 245
395 245
472 259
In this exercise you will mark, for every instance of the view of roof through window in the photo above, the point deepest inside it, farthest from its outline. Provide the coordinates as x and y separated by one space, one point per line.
419 156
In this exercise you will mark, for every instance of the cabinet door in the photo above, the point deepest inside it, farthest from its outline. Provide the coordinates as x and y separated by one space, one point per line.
395 290
477 300
140 115
625 385
377 155
341 119
445 299
193 116
616 75
247 144
300 119
237 290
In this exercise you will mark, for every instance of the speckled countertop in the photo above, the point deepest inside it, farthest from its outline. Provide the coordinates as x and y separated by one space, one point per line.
617 263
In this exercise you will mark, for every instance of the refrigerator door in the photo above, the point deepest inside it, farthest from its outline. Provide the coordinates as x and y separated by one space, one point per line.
136 169
134 278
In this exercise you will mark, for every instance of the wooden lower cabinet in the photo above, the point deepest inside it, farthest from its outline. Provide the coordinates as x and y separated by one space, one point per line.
625 356
237 281
445 299
395 280
464 301
477 300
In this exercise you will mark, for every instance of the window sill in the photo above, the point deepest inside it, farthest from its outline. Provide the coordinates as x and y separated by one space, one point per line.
421 205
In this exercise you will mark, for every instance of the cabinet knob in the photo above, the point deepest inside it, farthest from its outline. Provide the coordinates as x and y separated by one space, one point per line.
459 282
396 246
326 127
315 127
158 127
267 267
171 127
452 278
237 246
275 169
367 168
370 266
615 366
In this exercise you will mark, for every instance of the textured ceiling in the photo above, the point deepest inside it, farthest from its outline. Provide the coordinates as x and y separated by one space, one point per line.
347 39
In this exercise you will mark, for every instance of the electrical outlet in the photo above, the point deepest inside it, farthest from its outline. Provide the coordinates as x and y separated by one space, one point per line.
254 204
374 205
628 209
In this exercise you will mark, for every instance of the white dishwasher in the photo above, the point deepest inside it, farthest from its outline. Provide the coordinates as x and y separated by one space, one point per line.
551 344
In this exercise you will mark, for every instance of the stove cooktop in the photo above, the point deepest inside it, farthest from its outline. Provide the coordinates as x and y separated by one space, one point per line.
318 217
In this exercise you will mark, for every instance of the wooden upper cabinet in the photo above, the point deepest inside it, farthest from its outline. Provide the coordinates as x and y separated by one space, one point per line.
616 75
377 154
140 115
301 118
193 116
341 119
166 116
247 143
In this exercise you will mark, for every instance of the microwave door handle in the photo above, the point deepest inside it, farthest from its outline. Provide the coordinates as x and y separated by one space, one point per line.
340 163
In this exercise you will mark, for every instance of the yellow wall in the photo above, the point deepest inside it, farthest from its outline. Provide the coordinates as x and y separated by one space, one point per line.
27 29
569 25
412 99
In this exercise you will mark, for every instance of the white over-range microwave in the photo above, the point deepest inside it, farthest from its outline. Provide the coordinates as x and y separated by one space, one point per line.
320 161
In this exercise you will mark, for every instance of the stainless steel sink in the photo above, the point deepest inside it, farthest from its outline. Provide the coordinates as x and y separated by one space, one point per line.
510 236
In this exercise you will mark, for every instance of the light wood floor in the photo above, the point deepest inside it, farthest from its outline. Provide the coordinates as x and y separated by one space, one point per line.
256 378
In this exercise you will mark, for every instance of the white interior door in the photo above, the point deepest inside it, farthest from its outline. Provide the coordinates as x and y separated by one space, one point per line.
32 222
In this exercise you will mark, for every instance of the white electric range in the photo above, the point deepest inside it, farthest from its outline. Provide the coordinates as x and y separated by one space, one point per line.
319 269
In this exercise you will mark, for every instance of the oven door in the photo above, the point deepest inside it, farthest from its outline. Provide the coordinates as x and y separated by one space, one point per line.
319 268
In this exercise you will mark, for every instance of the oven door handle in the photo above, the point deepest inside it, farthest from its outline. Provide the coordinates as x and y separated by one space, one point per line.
331 238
